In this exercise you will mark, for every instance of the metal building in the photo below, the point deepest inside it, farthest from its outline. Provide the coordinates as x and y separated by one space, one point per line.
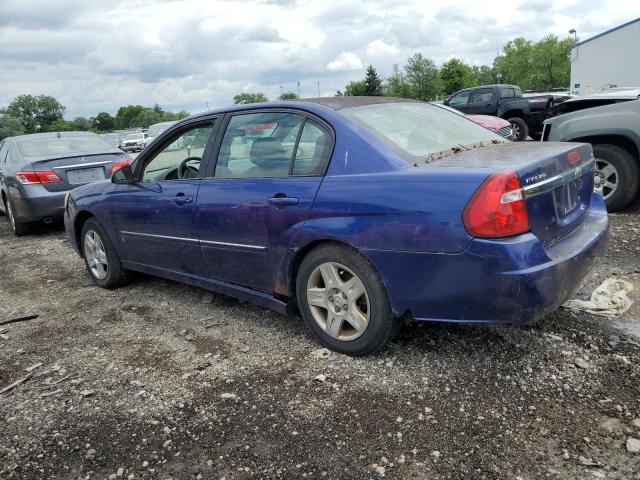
608 60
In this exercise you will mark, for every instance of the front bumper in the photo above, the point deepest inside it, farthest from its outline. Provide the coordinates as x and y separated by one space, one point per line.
511 280
33 203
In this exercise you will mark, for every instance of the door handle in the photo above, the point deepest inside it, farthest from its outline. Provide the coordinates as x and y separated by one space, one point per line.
181 199
283 201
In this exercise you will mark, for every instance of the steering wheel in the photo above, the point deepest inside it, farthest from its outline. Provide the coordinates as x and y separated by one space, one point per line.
185 171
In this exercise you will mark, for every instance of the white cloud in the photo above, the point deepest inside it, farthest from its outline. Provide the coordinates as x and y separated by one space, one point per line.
345 62
98 56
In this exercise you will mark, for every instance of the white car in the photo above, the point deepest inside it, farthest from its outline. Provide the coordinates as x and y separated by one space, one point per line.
135 142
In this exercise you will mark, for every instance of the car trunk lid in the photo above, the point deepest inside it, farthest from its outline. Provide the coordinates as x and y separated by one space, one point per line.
78 170
557 180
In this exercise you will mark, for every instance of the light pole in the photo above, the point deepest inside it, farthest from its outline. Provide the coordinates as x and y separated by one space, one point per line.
298 88
575 35
499 77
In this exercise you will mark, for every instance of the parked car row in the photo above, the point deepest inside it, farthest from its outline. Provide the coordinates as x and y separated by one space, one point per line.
359 212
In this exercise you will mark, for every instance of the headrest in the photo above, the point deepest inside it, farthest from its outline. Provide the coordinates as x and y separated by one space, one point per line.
268 153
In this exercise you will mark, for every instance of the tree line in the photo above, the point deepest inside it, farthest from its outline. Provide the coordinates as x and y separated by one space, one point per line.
540 65
43 113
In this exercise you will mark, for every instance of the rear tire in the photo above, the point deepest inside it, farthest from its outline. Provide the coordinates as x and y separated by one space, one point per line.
627 175
520 129
18 228
100 256
354 333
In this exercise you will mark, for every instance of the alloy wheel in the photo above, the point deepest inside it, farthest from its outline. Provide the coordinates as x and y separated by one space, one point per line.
605 178
338 301
96 255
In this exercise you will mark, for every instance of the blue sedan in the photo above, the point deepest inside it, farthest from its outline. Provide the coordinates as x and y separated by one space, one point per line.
359 211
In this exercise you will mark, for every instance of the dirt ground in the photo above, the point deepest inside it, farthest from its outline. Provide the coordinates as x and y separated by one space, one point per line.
162 380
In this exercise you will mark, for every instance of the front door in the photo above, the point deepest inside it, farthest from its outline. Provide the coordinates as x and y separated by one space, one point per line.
155 217
481 102
268 170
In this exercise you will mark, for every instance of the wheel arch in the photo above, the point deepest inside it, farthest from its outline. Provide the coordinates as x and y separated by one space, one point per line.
618 140
79 221
512 113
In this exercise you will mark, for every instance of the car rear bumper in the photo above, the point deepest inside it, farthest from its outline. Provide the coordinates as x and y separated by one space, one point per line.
511 280
34 203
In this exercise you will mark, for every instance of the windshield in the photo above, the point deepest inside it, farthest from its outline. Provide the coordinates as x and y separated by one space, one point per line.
54 146
134 136
419 129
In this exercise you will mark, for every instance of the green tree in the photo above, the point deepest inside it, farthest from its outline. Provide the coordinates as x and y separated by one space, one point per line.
339 93
484 75
288 96
355 89
456 75
423 78
158 109
126 116
81 124
10 126
103 122
516 63
60 125
551 64
397 86
148 116
36 113
372 82
244 98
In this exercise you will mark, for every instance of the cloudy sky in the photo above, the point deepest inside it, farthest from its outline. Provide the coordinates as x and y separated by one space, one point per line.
184 54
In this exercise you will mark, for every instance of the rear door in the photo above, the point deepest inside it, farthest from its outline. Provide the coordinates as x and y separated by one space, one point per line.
481 101
268 170
155 217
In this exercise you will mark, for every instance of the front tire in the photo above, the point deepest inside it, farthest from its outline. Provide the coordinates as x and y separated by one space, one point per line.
520 129
100 256
617 176
344 302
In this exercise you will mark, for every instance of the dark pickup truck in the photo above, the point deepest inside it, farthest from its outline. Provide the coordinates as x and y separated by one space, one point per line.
505 101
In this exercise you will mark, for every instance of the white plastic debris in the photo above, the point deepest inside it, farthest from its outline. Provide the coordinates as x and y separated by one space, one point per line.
610 299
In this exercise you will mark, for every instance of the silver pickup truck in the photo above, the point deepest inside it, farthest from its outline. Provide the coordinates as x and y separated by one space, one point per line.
614 132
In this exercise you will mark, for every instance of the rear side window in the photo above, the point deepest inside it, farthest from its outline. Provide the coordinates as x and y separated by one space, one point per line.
482 95
63 145
312 153
508 93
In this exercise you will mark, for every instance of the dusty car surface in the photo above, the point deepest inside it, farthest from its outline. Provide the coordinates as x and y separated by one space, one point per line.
36 172
613 129
135 142
360 211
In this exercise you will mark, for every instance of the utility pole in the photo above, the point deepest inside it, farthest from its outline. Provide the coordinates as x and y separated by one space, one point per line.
298 88
280 90
207 106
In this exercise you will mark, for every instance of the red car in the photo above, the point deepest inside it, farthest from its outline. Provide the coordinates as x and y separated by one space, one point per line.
496 124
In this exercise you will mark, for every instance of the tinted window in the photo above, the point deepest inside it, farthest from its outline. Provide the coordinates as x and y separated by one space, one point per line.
63 145
508 93
181 158
258 145
417 129
460 98
481 95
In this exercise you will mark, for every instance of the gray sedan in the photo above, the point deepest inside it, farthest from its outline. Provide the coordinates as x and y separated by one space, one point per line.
36 172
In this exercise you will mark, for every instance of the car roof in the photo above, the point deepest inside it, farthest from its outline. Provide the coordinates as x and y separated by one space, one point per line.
37 136
630 94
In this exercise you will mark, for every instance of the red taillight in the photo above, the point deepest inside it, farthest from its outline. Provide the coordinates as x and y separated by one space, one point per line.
497 208
118 165
573 156
42 176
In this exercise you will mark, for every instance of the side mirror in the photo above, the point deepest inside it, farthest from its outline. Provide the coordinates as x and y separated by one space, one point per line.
446 102
123 176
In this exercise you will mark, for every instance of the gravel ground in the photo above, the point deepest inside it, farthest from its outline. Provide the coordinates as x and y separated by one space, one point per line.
162 380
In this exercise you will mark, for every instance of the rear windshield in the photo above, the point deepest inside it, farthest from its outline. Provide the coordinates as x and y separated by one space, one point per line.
417 130
63 146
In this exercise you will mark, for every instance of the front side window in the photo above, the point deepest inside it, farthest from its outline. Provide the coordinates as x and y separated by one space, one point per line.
460 98
181 158
416 130
482 95
258 145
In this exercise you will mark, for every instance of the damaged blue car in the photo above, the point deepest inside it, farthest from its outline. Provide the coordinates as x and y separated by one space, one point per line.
358 211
